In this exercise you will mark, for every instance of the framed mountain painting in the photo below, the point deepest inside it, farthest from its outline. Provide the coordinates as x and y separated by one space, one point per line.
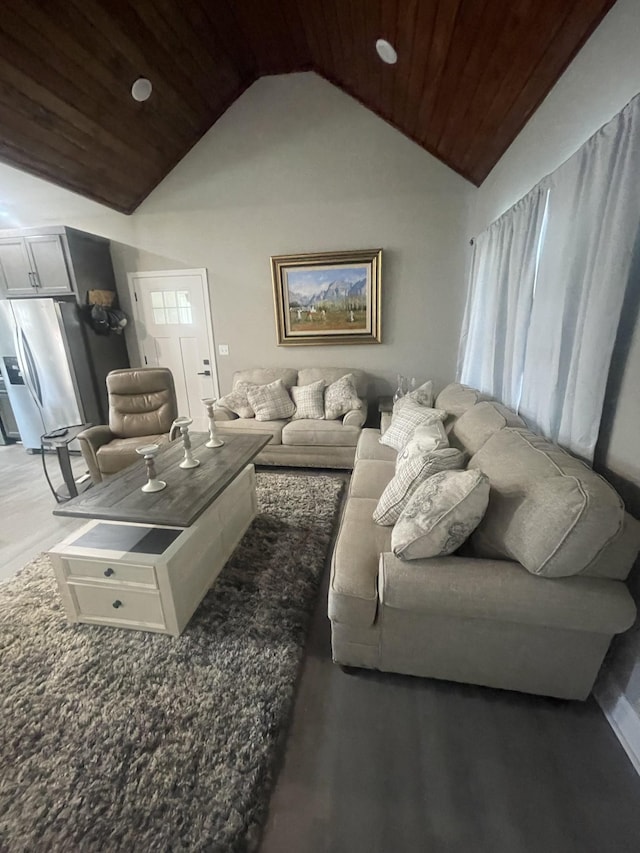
328 297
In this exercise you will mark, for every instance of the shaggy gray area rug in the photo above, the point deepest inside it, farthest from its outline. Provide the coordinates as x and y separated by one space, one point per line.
115 740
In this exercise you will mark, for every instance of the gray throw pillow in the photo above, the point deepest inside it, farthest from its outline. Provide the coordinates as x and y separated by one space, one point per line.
426 438
409 475
271 402
237 401
441 514
341 397
405 421
309 400
423 396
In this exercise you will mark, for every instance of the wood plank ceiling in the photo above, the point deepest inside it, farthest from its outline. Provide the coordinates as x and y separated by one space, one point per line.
469 75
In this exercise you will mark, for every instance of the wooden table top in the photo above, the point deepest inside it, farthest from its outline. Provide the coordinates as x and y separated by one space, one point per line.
188 493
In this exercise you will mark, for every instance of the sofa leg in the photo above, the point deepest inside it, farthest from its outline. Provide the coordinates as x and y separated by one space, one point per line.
349 670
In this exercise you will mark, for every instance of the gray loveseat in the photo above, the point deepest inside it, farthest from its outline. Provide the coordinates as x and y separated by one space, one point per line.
309 443
483 618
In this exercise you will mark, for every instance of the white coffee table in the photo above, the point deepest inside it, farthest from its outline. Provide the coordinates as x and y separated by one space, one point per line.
150 576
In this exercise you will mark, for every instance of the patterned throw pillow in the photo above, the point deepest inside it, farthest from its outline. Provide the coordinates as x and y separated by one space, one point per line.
237 401
428 437
309 400
271 402
341 397
405 421
422 395
441 514
409 476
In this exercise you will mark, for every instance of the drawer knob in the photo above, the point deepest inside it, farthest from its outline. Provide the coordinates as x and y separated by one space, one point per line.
108 573
117 603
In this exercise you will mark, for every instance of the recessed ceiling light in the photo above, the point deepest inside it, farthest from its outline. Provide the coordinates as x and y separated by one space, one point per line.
141 89
386 52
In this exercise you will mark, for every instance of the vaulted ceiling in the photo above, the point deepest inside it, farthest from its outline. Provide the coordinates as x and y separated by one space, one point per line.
469 75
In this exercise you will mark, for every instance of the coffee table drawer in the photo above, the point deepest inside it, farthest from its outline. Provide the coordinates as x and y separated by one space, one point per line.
110 571
117 604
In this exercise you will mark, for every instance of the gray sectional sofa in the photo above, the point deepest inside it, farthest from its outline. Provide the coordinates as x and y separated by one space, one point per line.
480 616
309 443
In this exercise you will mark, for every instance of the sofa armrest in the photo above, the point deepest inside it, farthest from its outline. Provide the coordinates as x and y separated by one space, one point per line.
504 591
91 440
356 417
385 421
221 413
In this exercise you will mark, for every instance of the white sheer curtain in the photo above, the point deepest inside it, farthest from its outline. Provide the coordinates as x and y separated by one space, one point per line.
502 280
593 223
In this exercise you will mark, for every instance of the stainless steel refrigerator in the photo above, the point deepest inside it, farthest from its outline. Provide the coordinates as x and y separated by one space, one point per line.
54 366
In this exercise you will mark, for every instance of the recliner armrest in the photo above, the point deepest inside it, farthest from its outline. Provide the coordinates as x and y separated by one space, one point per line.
91 440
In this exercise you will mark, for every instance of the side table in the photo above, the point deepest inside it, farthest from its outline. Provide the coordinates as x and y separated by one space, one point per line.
60 439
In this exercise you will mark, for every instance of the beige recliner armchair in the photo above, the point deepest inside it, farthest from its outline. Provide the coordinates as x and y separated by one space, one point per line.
142 408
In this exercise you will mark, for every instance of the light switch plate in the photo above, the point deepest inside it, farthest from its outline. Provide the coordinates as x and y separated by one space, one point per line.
223 349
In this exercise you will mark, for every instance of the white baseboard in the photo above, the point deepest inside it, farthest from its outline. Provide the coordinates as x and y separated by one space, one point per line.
622 717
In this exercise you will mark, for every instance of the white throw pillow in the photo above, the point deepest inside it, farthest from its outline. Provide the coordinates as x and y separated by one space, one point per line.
422 395
341 397
409 476
237 401
441 514
426 438
271 402
309 400
405 421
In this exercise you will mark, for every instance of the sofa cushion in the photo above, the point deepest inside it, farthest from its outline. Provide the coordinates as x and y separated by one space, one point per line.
320 433
547 510
121 452
271 402
266 375
427 437
250 426
307 375
470 431
237 400
309 400
409 475
457 398
441 514
370 478
353 594
404 422
369 447
341 397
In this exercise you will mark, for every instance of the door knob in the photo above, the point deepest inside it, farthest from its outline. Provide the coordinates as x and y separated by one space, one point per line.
204 373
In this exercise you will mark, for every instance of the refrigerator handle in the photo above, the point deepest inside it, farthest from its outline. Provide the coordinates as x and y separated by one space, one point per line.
24 366
33 371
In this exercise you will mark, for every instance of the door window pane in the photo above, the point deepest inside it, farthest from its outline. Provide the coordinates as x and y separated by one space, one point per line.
171 306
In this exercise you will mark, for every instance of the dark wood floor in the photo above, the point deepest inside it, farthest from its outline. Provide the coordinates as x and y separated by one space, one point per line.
383 763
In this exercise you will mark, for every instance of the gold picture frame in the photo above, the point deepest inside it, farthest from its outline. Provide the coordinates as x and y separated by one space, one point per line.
328 298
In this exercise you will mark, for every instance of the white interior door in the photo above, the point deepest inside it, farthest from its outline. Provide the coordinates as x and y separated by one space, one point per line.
174 330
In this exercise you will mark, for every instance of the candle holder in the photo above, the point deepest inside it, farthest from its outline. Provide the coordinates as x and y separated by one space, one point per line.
183 425
214 441
149 452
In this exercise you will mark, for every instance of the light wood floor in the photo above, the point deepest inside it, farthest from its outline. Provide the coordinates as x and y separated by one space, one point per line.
380 763
27 525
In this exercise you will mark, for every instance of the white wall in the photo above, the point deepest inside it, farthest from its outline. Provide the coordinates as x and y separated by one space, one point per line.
295 165
600 81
